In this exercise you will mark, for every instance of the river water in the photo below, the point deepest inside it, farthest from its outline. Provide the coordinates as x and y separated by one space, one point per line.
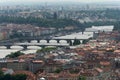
4 51
30 49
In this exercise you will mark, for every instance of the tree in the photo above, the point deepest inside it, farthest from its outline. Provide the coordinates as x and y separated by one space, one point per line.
76 42
82 78
20 77
70 42
8 77
57 23
12 77
74 71
1 73
46 49
85 41
58 70
15 54
16 34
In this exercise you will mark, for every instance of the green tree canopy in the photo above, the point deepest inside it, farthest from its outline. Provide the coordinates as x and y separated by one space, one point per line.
39 22
76 42
58 70
12 77
14 54
46 49
82 78
19 77
1 73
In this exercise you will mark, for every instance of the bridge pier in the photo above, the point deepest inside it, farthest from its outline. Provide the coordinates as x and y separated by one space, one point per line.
8 46
58 41
38 41
24 47
70 42
28 41
47 41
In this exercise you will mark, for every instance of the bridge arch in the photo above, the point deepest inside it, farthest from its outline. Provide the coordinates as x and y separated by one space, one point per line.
63 41
34 47
16 47
43 41
33 41
2 47
53 41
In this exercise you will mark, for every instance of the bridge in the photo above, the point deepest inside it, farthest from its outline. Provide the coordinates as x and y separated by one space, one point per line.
41 43
49 41
81 36
26 44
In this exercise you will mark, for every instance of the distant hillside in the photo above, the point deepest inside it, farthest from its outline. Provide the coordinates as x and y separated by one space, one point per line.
40 22
60 23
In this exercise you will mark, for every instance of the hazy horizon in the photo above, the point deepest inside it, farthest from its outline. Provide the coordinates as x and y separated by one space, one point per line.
33 2
57 0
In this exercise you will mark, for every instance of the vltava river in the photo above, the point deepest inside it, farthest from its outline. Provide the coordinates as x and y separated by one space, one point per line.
4 51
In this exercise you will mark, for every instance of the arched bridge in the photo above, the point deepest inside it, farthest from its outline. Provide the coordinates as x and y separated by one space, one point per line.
47 41
25 45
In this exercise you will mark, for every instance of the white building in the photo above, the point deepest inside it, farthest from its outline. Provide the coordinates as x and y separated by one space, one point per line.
80 35
100 28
